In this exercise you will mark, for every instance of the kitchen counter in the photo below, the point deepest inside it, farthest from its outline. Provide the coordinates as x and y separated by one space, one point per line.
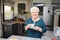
47 36
2 39
13 28
10 23
14 37
22 38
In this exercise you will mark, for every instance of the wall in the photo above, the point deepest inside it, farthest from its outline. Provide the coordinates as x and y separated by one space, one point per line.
56 20
46 2
27 7
9 3
0 17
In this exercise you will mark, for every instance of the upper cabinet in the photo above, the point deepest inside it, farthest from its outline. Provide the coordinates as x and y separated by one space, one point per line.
21 8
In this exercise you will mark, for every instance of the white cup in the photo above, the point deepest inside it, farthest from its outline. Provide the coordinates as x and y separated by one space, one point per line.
32 26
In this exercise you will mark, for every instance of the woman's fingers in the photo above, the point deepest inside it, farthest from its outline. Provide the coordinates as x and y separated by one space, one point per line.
35 28
38 29
27 27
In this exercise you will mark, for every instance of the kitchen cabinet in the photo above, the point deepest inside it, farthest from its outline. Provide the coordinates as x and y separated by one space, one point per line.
21 30
9 29
13 29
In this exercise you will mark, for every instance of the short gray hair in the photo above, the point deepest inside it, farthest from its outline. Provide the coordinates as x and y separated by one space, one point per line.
34 7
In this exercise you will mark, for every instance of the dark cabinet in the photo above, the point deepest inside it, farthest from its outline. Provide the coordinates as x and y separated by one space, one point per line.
21 30
13 29
7 30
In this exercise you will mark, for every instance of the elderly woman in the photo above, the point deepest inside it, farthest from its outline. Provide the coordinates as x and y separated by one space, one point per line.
35 26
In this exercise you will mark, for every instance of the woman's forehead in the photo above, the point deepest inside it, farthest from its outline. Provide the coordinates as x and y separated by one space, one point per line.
34 9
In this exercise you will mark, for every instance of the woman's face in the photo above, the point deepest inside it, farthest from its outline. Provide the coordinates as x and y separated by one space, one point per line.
34 13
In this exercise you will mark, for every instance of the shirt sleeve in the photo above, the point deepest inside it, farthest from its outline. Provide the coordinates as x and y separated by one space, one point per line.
43 26
26 23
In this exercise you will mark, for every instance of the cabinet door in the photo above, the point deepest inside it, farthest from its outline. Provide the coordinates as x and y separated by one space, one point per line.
21 29
7 31
14 28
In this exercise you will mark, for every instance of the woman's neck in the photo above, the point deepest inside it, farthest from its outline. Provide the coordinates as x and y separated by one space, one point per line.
35 19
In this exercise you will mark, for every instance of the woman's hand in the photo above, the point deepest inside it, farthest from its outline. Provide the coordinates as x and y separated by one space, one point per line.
27 27
38 28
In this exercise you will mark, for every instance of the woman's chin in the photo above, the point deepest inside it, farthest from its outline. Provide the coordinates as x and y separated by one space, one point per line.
34 17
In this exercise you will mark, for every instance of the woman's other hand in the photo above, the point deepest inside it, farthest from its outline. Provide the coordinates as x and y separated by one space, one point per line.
27 27
38 28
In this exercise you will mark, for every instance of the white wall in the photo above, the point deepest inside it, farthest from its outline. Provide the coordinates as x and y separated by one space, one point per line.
46 2
38 1
56 20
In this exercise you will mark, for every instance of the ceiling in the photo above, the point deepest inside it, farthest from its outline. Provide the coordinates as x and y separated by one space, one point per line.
53 1
18 0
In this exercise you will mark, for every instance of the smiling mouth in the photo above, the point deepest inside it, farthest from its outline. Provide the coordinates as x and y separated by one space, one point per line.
34 15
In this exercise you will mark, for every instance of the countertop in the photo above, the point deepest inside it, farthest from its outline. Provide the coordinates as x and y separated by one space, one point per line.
22 38
47 36
2 39
14 37
10 23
